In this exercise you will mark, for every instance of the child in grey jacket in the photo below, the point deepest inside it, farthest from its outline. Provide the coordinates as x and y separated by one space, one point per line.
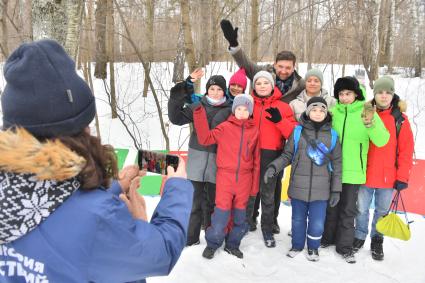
315 154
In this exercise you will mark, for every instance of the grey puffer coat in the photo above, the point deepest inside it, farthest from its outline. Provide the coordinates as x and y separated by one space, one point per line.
310 182
299 104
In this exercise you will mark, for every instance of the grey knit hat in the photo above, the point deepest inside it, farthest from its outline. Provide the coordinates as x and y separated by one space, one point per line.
314 73
385 83
263 74
243 99
316 101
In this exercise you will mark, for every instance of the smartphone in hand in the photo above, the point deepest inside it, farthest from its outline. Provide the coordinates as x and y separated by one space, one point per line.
156 162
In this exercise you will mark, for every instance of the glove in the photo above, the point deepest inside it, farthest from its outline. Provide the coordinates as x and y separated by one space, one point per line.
399 185
229 33
275 117
269 174
368 114
179 92
334 199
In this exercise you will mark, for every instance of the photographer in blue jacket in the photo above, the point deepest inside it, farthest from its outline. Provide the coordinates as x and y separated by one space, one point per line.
62 219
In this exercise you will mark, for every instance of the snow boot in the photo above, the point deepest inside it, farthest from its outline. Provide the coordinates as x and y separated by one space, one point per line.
293 252
208 252
357 244
376 248
349 257
234 251
313 254
188 244
269 240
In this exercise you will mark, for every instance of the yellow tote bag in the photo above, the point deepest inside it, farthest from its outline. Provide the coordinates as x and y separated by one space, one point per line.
392 225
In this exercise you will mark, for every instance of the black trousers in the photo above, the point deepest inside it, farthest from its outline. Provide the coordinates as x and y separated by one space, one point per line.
203 195
268 157
339 225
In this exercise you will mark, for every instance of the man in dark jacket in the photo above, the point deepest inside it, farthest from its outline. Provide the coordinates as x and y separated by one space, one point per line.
287 81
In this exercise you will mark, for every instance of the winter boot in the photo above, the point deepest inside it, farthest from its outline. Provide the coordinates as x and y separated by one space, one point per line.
189 243
208 252
269 240
275 228
234 251
376 248
313 255
293 252
357 244
349 257
324 244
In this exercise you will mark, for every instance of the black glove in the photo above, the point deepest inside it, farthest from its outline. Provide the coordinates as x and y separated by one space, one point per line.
334 199
269 174
229 33
399 185
275 115
179 91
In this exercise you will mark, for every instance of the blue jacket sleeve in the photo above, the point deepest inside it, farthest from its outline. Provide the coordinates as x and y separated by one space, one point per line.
115 188
127 249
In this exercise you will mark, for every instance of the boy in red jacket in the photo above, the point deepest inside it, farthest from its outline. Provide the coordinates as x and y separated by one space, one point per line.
388 167
238 172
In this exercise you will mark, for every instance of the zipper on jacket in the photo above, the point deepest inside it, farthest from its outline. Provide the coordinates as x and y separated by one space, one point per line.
361 156
261 116
246 151
240 154
343 128
311 169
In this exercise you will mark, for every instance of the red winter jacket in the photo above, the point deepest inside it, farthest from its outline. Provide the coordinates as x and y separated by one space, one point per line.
273 136
238 149
381 168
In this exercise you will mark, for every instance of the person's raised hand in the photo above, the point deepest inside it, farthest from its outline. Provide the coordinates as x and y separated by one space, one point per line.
135 202
196 75
127 174
230 33
180 172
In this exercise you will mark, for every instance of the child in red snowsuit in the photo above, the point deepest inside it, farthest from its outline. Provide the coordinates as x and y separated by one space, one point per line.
238 172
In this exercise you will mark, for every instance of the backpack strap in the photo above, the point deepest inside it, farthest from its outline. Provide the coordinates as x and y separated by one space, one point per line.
334 138
297 134
398 119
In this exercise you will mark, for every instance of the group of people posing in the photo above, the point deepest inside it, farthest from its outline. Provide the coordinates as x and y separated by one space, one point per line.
342 151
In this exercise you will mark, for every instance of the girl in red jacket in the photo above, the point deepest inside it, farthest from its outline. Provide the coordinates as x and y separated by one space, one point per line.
238 171
275 122
388 167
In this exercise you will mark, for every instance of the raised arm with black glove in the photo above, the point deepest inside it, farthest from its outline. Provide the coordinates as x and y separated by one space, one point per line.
230 33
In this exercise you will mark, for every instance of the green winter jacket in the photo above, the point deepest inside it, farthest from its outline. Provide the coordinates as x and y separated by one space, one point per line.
354 138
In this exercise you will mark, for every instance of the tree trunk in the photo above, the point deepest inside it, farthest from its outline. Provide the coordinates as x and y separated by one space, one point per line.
215 30
110 53
416 39
277 27
254 30
100 33
188 40
150 20
50 20
310 35
390 36
72 34
28 21
205 34
3 28
178 71
373 73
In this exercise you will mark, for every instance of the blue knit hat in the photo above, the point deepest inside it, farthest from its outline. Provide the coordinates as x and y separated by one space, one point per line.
44 93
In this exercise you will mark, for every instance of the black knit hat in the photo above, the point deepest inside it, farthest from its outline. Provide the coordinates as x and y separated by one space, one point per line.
216 80
316 101
44 94
348 83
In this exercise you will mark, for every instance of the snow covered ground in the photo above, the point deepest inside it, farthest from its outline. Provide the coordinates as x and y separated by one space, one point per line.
404 261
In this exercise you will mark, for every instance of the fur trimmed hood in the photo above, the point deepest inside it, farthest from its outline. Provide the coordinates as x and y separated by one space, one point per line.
35 179
20 152
395 103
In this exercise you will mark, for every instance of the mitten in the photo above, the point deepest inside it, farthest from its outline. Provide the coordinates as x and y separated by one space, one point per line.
275 117
368 114
399 185
334 199
179 91
269 174
230 33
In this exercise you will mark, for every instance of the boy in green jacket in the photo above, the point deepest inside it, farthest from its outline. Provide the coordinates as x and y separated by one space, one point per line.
356 126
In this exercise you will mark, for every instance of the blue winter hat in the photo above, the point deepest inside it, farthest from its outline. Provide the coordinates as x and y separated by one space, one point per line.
44 93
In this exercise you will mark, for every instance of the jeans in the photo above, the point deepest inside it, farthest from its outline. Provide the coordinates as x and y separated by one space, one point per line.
383 199
315 212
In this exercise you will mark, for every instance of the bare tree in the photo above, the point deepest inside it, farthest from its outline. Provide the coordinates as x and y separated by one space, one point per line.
3 28
50 19
178 71
100 34
28 20
110 50
254 30
150 8
416 39
188 40
390 36
75 9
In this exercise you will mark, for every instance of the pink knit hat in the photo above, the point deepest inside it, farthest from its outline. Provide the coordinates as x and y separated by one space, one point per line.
239 78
